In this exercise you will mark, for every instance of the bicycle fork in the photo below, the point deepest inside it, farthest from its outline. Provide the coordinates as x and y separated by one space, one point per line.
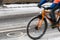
40 20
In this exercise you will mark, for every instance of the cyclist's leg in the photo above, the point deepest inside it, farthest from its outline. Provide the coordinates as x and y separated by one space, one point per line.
52 14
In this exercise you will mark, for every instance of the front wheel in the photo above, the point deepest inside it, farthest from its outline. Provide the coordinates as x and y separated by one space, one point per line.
32 32
58 25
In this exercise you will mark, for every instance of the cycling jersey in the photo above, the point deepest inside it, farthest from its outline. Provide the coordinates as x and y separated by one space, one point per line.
56 1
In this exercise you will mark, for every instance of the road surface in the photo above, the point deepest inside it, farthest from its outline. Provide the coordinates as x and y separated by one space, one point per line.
51 34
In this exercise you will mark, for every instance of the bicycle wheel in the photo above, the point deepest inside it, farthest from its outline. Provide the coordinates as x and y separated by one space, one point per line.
59 25
32 32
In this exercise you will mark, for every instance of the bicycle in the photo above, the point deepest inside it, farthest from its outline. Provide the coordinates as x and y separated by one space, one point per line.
39 23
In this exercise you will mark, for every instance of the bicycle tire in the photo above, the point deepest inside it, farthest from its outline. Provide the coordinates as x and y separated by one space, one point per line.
45 28
59 26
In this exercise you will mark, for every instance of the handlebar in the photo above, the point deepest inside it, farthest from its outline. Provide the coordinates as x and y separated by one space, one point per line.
46 8
43 7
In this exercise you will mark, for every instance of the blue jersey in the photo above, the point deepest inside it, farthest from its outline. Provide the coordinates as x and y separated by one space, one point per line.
55 2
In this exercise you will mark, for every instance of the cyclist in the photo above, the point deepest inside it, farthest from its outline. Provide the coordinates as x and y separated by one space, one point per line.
55 5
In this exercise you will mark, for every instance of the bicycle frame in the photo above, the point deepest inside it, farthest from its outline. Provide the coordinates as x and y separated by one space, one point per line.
44 14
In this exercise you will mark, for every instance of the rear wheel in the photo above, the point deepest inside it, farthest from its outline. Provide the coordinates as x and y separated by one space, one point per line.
31 28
